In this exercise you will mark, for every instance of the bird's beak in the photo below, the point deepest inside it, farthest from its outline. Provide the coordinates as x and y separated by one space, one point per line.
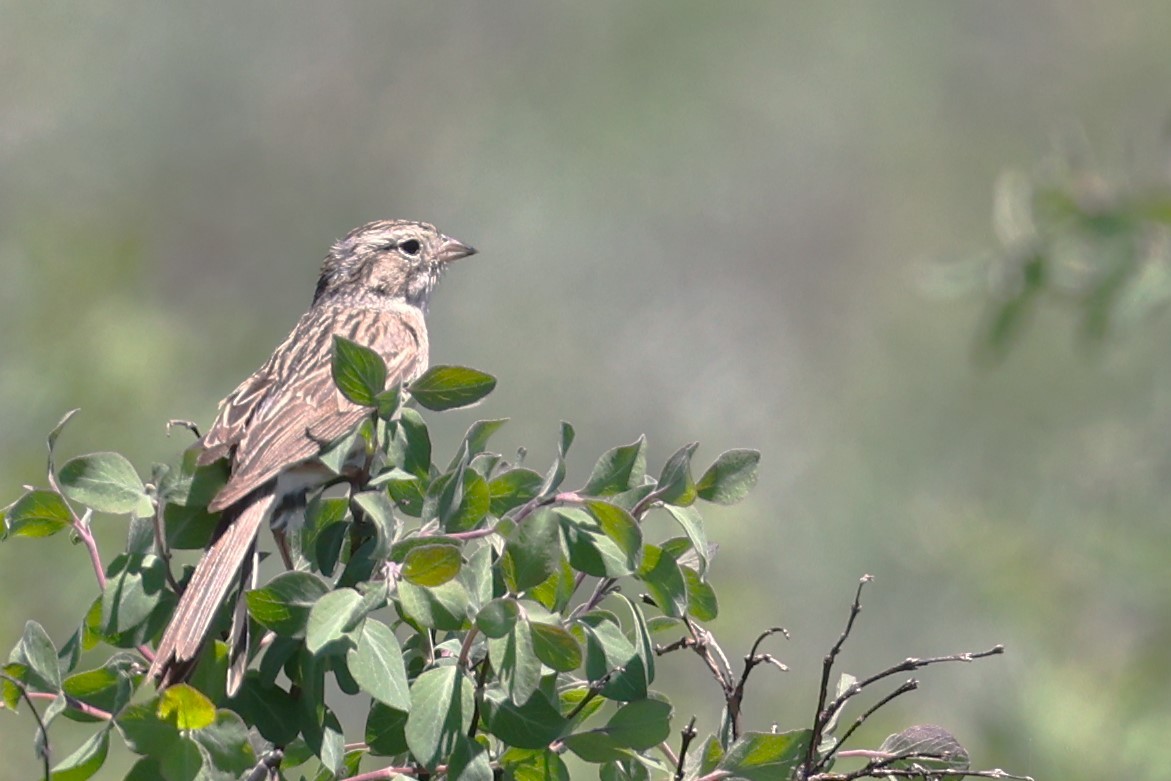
452 249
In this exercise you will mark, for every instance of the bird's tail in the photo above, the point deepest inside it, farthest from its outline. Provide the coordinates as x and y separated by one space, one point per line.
214 576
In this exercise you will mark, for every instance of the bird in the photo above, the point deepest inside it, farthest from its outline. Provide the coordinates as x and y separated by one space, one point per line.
374 289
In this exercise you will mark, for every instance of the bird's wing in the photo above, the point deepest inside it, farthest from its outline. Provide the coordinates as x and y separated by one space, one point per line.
299 409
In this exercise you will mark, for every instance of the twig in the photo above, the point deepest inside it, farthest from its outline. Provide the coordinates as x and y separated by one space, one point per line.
907 665
909 686
688 734
874 771
74 704
736 698
466 649
267 765
42 731
594 690
820 718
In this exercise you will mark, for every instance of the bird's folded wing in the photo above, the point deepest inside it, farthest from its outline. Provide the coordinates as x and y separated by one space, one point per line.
301 409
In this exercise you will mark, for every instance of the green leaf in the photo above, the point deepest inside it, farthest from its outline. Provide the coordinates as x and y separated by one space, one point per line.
533 765
51 440
86 760
641 724
497 618
284 604
533 551
432 565
386 730
143 730
377 665
765 756
619 526
476 439
225 748
271 709
442 704
641 668
342 450
320 540
38 514
37 652
664 580
183 761
518 670
447 387
186 706
408 491
556 592
103 688
444 607
188 528
710 756
730 477
388 402
469 761
618 470
358 372
379 510
410 447
459 500
555 647
106 482
135 588
556 473
512 489
596 747
675 484
326 739
534 724
609 652
701 597
330 620
590 549
692 523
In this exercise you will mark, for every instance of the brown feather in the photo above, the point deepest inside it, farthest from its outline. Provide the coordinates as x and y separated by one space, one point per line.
214 577
302 409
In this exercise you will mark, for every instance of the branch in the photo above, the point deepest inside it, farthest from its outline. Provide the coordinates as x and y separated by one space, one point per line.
688 734
73 703
820 718
909 686
736 698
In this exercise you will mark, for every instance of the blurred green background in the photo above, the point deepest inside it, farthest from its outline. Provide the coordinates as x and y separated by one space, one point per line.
696 220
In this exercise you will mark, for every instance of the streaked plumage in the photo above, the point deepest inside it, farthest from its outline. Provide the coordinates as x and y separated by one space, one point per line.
373 289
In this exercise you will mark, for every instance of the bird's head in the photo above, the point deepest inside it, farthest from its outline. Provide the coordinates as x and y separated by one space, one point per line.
387 260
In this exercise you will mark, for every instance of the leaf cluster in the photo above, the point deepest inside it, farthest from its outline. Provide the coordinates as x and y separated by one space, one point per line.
481 610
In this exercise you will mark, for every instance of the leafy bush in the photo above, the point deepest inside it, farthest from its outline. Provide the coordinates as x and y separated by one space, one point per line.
476 607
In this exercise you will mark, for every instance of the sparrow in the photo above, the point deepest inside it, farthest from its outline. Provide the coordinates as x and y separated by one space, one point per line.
374 288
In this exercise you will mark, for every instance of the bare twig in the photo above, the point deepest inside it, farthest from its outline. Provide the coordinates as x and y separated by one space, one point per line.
735 699
594 690
821 717
688 734
909 686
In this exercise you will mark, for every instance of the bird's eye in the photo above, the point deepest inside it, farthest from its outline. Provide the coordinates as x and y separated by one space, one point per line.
410 247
